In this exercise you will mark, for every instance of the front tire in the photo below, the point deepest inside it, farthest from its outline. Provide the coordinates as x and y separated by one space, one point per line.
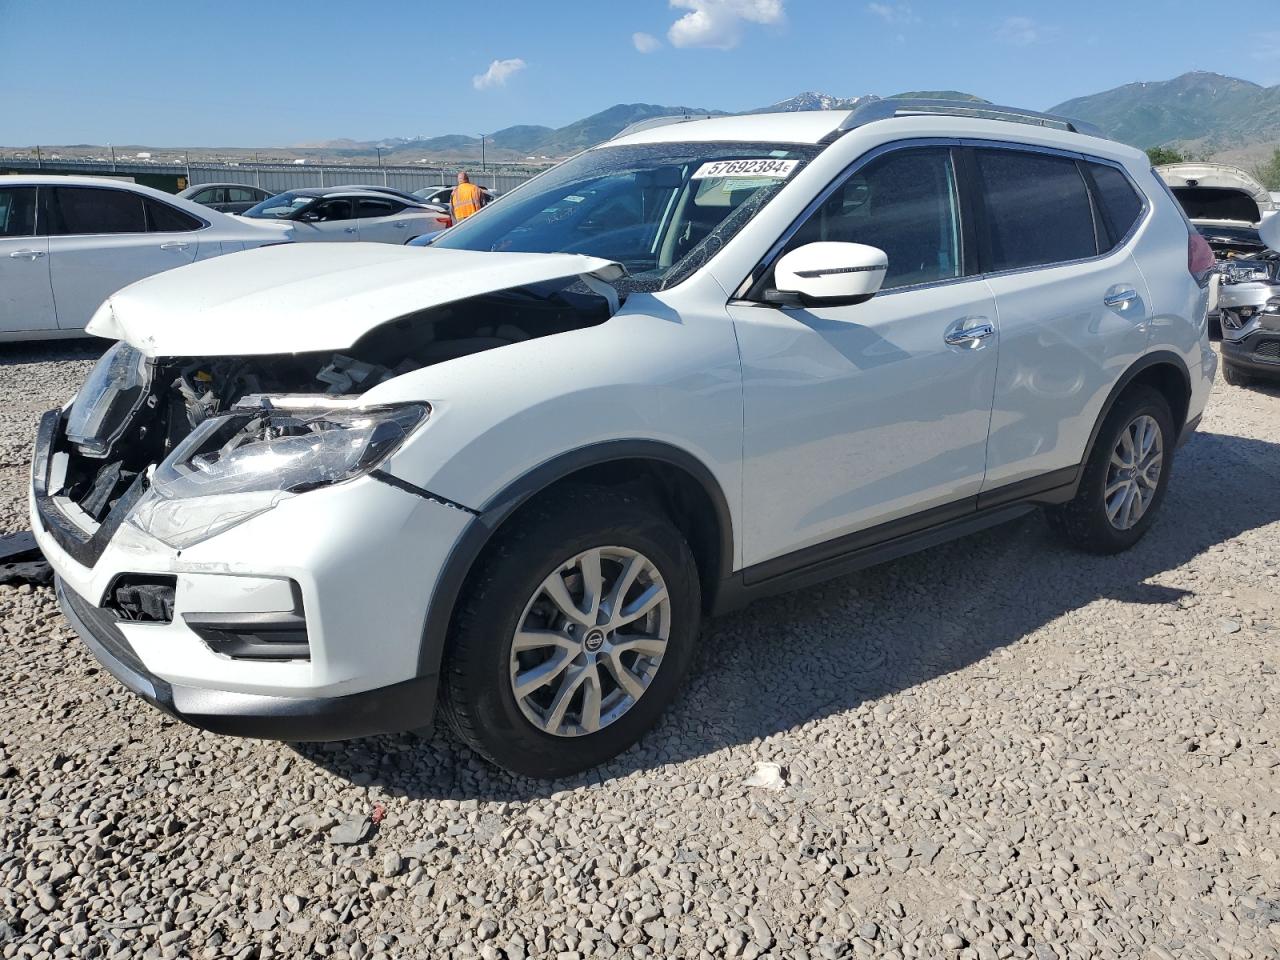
1125 477
573 635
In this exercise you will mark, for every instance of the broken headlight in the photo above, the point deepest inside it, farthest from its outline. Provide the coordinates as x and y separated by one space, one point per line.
236 466
115 389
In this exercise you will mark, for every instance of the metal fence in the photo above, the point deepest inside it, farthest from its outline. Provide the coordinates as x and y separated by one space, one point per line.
276 177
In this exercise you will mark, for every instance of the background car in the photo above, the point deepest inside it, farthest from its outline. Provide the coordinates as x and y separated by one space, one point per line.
443 195
68 243
339 214
1227 206
225 197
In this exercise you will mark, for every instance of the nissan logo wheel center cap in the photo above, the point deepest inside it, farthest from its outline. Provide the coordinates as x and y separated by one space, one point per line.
593 641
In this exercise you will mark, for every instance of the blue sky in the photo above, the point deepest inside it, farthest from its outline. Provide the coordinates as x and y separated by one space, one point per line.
274 73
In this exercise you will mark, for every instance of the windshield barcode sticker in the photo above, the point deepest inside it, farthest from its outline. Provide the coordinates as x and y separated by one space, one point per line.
763 167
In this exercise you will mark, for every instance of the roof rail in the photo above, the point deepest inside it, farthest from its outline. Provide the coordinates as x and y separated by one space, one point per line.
658 122
884 109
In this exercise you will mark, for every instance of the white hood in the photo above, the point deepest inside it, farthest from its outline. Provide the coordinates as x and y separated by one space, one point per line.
297 298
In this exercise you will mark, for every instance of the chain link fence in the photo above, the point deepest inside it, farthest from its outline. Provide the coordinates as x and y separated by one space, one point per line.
275 177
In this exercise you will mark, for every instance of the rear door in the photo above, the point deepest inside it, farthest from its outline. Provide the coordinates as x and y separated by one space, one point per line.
1074 309
383 220
99 242
240 199
26 296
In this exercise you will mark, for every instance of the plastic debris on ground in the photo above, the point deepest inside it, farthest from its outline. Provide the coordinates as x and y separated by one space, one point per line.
21 560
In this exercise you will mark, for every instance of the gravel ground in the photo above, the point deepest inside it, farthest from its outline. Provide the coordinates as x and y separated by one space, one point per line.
996 749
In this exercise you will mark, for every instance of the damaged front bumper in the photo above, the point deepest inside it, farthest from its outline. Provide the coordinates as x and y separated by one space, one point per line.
302 623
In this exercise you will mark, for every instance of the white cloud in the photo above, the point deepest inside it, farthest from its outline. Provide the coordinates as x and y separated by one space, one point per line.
498 73
895 13
718 23
646 42
1020 31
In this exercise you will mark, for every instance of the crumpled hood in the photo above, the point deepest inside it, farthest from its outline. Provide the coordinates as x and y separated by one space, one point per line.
297 298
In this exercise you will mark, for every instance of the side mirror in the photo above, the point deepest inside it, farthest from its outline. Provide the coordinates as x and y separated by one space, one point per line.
829 274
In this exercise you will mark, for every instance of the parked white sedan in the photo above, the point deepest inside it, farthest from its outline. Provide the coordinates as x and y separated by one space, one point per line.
341 214
68 243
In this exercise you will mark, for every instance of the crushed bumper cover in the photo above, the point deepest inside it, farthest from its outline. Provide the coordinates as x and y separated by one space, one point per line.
403 706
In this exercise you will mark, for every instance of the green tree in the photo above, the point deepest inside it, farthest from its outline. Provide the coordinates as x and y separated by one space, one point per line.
1268 173
1163 155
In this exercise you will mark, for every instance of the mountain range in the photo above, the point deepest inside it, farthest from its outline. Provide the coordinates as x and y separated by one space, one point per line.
1206 113
536 142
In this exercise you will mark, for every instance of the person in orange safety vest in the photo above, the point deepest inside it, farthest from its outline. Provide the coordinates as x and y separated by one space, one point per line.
466 198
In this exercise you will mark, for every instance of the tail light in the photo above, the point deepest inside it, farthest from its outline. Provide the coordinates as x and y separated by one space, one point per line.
1200 259
445 222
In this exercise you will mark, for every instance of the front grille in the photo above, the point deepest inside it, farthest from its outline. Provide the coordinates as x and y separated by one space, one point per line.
1268 350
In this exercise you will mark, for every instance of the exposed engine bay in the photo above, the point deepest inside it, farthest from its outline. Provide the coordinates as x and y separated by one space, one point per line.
279 423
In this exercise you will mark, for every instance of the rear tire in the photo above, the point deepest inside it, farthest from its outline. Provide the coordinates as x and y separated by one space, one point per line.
1125 477
1235 376
609 678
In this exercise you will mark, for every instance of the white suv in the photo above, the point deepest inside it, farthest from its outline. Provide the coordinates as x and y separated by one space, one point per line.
315 487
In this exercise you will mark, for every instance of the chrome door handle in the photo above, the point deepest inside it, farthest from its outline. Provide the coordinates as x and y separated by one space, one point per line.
969 336
26 255
401 223
175 245
348 229
1120 297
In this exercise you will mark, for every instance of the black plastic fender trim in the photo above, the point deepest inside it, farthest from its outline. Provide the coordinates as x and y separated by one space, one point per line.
1145 362
501 505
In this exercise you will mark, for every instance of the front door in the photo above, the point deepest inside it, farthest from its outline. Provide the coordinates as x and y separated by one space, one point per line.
856 416
328 220
26 297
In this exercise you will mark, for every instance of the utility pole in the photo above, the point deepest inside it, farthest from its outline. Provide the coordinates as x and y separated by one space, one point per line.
380 167
113 157
187 156
257 171
482 166
39 158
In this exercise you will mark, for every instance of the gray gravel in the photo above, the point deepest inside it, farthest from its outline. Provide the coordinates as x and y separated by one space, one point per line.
996 749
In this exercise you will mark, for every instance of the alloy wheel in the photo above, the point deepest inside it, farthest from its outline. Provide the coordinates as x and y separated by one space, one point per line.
1133 474
590 641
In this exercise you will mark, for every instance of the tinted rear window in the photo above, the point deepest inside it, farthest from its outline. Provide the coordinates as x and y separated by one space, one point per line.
94 210
1038 209
162 218
1120 203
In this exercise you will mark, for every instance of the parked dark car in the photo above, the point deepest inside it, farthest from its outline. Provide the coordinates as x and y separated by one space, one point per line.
225 197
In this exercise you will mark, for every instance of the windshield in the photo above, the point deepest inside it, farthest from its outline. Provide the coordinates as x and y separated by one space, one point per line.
279 207
658 209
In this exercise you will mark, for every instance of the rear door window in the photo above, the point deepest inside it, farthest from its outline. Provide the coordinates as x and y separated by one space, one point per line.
241 195
17 212
377 207
1037 209
94 210
1119 201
